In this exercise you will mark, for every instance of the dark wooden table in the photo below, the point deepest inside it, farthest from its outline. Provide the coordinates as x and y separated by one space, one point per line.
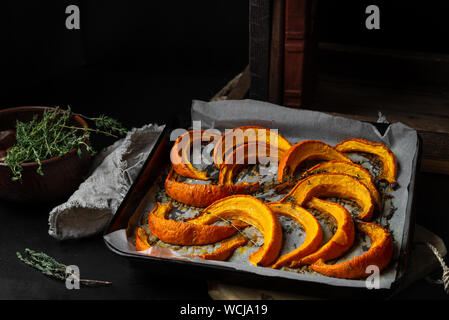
136 99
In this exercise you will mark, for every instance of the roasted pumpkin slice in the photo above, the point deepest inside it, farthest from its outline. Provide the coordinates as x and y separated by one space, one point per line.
226 249
184 233
180 151
223 253
247 134
304 151
254 212
379 255
141 240
341 241
352 169
333 185
202 195
250 153
389 164
312 228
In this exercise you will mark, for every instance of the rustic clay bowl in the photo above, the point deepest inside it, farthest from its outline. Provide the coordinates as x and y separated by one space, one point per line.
62 175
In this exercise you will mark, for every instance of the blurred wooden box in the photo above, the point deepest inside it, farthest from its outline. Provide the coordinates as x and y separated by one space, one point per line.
424 110
353 81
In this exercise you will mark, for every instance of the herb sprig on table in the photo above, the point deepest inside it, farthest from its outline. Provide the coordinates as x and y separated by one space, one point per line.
55 135
50 267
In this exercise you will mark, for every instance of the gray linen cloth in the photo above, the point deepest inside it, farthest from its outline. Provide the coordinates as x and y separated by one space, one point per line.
90 208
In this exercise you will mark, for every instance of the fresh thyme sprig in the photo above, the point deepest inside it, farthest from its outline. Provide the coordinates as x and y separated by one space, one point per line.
54 135
106 123
44 263
50 267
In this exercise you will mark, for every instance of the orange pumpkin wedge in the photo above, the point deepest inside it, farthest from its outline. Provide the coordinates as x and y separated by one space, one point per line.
226 249
333 185
202 195
254 212
141 239
352 169
179 154
341 241
389 164
304 151
184 233
244 135
250 153
312 228
379 255
223 253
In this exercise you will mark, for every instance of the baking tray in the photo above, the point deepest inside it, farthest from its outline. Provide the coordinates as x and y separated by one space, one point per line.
128 215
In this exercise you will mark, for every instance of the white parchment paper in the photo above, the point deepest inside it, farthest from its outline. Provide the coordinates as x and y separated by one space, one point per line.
297 125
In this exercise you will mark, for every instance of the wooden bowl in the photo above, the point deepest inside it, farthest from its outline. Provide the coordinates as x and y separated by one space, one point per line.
62 175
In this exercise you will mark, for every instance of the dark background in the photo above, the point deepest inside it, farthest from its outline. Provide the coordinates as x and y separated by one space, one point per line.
142 57
404 25
134 53
144 62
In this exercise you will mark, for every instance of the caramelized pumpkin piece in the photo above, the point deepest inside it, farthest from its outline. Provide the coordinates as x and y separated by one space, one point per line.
333 185
250 153
312 229
223 253
226 249
305 151
247 134
352 169
389 164
202 195
379 255
185 233
141 240
254 212
341 241
180 151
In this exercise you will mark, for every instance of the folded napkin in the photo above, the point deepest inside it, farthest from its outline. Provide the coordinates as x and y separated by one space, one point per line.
113 171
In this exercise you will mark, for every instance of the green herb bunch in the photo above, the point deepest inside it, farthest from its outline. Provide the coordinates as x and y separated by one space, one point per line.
51 267
44 263
54 136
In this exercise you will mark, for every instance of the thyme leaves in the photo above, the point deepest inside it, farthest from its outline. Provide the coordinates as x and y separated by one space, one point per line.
54 135
50 267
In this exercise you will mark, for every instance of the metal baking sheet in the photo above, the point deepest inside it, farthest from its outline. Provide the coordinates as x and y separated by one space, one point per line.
295 125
